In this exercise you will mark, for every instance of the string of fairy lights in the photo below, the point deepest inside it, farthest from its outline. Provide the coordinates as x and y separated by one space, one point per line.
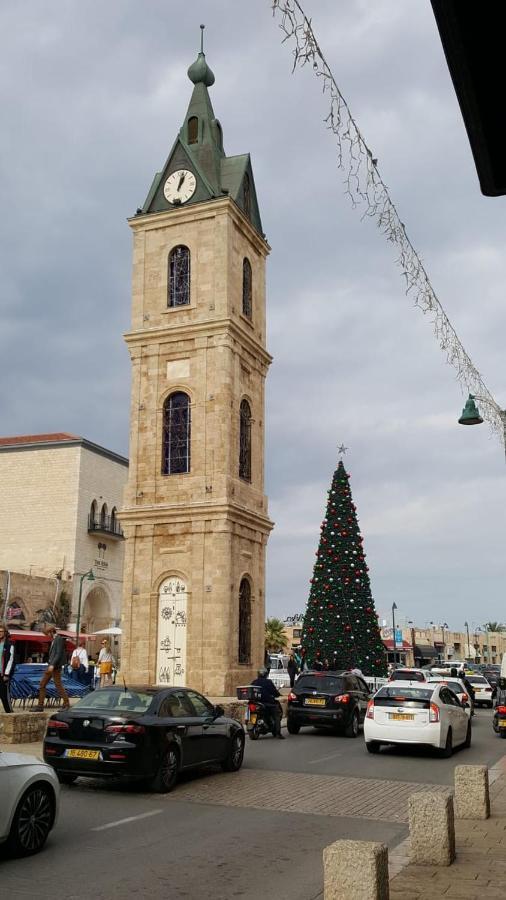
366 189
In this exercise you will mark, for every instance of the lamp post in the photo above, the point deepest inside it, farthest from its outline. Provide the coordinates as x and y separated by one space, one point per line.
89 577
471 414
468 644
443 626
394 607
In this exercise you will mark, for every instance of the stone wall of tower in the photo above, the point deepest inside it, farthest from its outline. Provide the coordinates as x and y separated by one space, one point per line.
207 527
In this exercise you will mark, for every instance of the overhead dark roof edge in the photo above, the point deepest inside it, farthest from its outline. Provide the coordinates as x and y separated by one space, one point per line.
77 442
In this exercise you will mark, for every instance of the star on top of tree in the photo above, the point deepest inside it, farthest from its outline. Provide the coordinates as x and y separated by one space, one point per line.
342 449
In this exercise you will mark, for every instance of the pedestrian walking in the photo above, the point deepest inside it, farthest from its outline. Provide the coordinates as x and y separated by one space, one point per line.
79 663
6 667
106 663
56 660
293 669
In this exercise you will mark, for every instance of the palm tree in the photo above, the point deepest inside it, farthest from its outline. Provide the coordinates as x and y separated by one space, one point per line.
494 626
275 637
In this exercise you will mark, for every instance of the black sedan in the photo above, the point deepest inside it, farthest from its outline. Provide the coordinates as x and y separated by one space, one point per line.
141 733
336 700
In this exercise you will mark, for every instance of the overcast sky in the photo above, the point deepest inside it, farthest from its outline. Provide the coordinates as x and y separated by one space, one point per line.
92 95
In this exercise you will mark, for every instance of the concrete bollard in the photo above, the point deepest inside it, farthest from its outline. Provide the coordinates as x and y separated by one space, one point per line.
355 870
432 828
472 798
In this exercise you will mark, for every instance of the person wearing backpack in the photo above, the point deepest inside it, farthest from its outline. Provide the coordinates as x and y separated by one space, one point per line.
6 667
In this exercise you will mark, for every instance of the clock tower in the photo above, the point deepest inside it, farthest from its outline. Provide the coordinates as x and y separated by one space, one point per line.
195 515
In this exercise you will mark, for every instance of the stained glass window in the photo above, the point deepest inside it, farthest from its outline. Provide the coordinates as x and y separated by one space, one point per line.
179 276
247 285
245 441
244 655
176 439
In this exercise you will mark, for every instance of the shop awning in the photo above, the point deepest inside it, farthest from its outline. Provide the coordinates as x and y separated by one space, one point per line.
427 651
38 637
399 645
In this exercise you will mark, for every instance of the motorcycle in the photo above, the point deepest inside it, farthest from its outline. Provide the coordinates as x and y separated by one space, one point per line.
499 721
257 718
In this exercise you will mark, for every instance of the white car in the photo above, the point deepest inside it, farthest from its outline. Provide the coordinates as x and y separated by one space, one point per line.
408 673
29 800
413 712
458 687
483 690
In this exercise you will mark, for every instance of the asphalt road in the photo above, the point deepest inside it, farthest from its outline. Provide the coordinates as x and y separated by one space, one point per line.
118 842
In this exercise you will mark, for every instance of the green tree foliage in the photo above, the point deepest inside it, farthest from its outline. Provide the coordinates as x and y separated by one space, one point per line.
275 637
340 623
494 626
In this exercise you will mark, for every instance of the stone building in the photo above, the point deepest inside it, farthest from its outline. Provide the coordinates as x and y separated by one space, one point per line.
195 514
58 519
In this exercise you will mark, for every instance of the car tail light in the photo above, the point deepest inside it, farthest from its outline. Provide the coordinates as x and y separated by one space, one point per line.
465 698
488 690
252 707
434 713
57 724
125 729
342 698
117 756
501 709
50 751
370 710
291 696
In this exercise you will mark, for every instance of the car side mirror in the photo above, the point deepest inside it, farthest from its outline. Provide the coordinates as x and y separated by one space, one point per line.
218 711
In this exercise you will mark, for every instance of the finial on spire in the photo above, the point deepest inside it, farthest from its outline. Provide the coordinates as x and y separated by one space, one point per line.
342 449
199 72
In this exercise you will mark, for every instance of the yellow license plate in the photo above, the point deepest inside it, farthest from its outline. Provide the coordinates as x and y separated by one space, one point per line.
314 701
253 719
502 723
83 754
401 716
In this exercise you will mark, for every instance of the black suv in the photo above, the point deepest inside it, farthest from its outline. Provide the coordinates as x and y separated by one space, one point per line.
336 700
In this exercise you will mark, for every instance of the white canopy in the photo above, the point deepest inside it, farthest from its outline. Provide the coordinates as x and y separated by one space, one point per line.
112 630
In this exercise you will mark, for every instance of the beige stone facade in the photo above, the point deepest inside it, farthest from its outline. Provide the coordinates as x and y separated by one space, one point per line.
48 484
203 532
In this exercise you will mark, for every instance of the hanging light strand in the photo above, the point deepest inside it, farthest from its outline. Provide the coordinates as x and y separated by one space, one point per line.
365 188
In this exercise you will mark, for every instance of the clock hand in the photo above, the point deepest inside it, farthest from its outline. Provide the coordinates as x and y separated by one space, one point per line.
181 179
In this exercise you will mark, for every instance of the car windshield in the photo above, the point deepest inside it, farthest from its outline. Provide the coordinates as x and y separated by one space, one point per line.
405 693
455 687
324 683
407 675
122 701
476 679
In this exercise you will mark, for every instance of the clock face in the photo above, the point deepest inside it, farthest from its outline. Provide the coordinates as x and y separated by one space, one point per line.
180 186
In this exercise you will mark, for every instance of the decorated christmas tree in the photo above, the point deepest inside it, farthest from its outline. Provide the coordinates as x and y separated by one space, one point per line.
340 624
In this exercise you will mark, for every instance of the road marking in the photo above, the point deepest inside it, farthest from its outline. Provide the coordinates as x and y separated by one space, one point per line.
312 762
154 812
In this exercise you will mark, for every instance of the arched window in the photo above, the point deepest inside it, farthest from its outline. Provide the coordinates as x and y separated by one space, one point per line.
193 130
103 514
176 434
244 654
246 195
219 134
245 441
179 276
93 512
247 288
113 518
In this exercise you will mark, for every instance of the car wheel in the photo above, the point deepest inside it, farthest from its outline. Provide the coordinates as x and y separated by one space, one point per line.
351 729
292 727
448 748
373 746
32 821
233 761
166 777
467 742
502 732
66 777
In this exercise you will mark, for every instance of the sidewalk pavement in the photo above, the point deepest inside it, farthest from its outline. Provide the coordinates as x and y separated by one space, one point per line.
477 872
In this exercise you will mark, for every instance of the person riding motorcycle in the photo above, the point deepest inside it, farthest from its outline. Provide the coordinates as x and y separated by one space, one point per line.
268 698
500 699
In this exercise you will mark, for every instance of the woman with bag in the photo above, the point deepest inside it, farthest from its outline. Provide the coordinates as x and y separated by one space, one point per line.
106 663
6 667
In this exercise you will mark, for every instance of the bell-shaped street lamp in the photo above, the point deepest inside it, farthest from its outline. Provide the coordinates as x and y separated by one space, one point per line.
470 413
